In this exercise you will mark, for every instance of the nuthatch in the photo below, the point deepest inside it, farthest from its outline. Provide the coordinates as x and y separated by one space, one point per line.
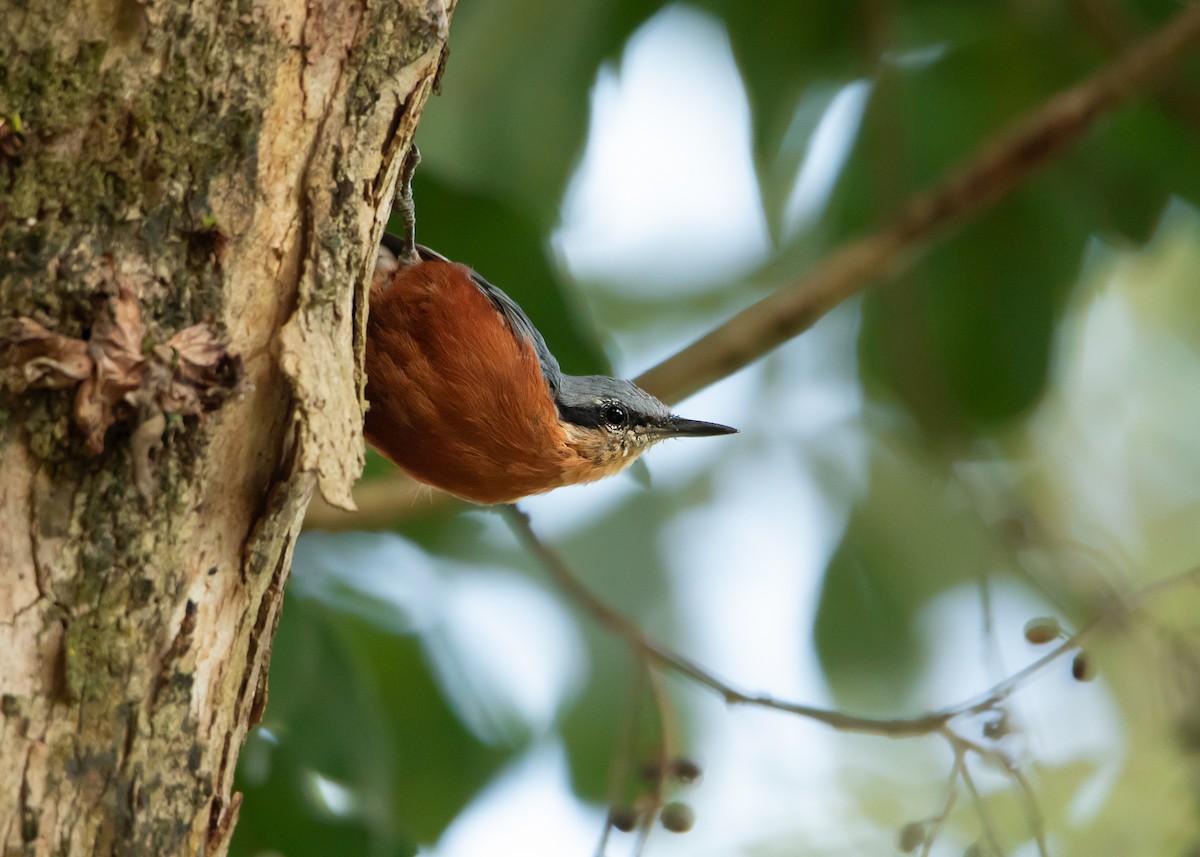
465 396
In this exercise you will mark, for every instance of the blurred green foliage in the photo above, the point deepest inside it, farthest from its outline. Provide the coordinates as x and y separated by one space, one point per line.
969 357
352 697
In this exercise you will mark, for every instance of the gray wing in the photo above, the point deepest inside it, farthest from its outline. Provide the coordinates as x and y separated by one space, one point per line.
517 321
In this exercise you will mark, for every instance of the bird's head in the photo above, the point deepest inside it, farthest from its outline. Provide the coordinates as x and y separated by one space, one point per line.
611 422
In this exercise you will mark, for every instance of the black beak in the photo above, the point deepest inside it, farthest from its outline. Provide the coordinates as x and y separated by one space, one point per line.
680 427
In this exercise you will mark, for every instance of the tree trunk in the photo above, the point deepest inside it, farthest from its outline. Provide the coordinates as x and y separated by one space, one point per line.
190 198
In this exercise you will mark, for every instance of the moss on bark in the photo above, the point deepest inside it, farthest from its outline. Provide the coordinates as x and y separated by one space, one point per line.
222 162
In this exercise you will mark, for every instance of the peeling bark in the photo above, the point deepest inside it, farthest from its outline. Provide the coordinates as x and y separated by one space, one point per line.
234 162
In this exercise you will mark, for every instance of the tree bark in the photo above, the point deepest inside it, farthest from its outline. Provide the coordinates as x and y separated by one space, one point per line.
190 199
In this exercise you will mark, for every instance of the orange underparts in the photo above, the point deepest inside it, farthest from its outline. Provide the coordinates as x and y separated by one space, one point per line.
457 398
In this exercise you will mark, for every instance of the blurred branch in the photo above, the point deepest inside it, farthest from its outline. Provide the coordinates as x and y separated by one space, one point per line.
927 724
932 827
1001 165
960 773
938 722
619 815
668 732
1118 611
985 816
643 807
627 630
381 504
1033 812
1114 27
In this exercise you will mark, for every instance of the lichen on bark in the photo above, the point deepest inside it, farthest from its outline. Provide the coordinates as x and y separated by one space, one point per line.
235 161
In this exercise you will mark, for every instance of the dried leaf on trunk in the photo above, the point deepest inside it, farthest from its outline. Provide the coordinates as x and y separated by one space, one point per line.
204 372
191 374
46 358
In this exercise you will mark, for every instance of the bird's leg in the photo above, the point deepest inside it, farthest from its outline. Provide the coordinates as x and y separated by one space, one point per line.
402 206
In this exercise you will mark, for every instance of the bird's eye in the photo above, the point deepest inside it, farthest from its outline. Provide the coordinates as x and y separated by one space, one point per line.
615 415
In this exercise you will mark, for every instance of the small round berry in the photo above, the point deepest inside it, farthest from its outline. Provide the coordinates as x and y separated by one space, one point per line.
912 835
685 771
623 818
677 817
1082 668
1042 630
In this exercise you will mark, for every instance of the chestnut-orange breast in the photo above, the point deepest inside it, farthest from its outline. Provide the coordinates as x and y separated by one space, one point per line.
457 398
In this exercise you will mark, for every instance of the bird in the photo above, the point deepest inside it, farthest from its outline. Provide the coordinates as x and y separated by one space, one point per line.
464 394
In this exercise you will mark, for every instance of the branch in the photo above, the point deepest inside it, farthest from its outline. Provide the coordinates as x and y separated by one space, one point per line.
986 824
938 722
926 724
1118 612
1115 27
933 827
999 167
627 630
382 503
1033 812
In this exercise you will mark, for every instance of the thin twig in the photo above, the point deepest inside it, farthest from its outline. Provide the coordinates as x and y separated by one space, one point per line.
936 823
643 836
985 816
382 503
925 724
668 735
623 768
1119 611
605 833
960 746
666 657
1000 166
937 722
1033 812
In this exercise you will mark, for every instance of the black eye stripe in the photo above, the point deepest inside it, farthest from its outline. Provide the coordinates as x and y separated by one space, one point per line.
604 413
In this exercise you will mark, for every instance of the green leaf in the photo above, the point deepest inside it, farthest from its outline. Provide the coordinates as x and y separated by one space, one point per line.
1137 161
357 705
965 338
327 720
912 537
782 47
278 817
863 632
513 113
627 573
